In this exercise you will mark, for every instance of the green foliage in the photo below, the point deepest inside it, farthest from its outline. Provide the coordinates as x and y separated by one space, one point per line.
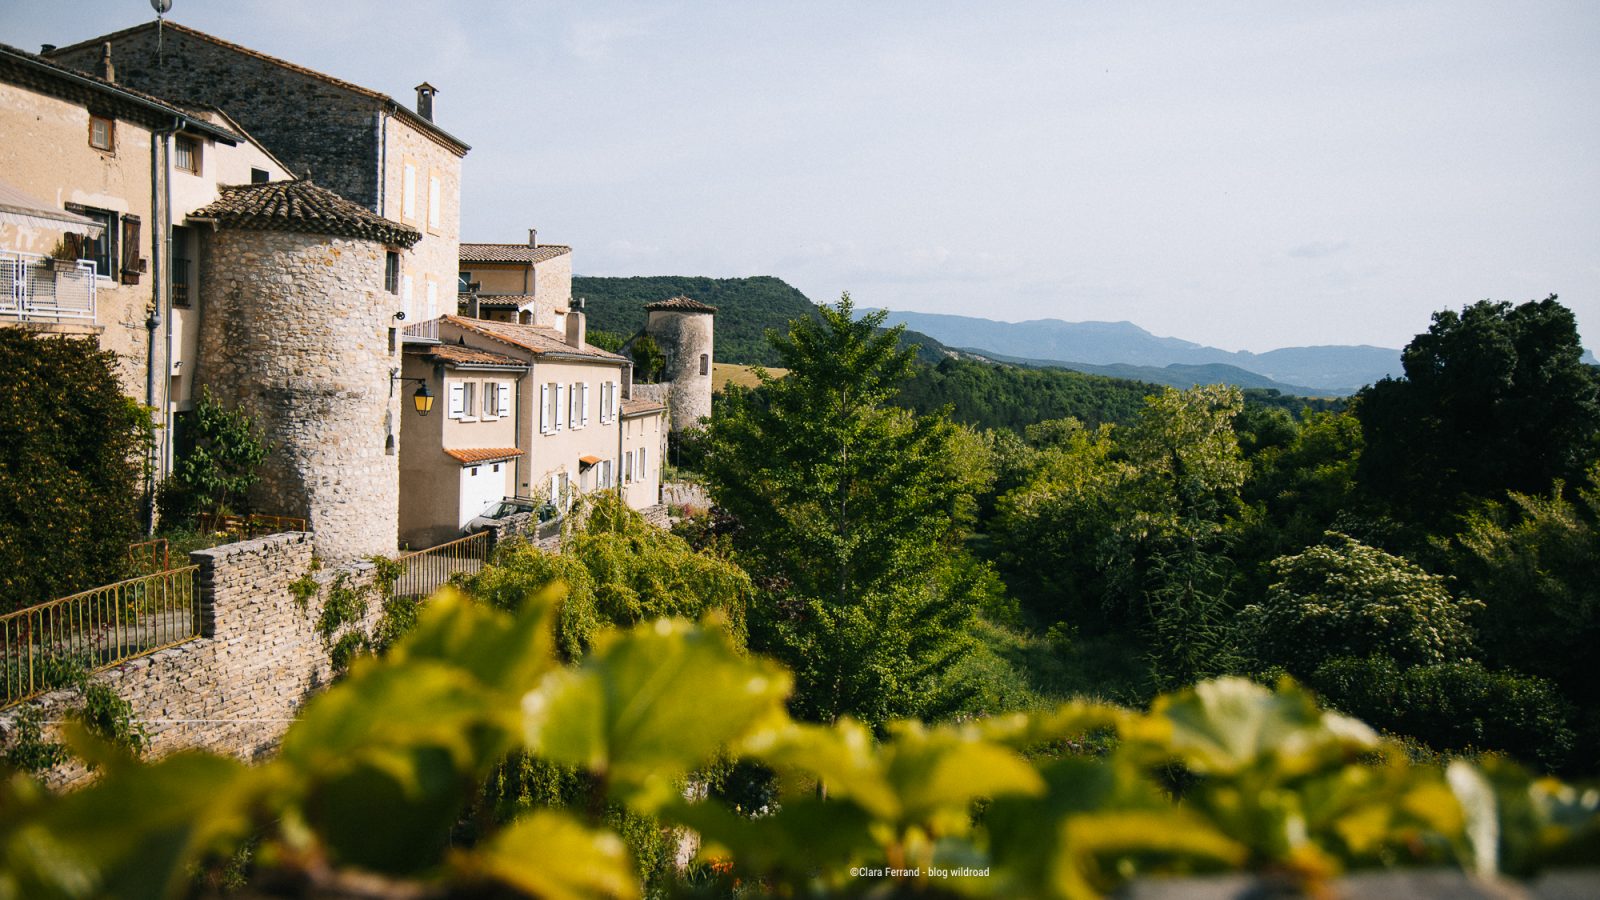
26 747
746 308
1453 706
217 465
109 718
379 770
618 571
1343 598
648 358
847 514
985 395
71 467
606 340
1495 399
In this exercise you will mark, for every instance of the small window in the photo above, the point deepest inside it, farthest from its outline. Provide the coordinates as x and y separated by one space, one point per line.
102 251
497 467
469 396
102 133
180 267
705 364
463 282
259 176
473 472
391 272
186 153
491 402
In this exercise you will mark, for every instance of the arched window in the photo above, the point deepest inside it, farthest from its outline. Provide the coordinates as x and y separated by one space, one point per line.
705 364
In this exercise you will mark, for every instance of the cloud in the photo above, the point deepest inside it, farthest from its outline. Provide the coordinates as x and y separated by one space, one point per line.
1318 249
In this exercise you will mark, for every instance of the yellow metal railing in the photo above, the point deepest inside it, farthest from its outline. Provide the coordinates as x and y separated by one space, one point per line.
423 572
149 557
44 647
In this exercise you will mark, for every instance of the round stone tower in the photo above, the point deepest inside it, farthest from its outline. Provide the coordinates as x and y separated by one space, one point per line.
682 329
295 329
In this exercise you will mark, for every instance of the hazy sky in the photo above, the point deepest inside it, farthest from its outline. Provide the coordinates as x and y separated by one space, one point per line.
1247 175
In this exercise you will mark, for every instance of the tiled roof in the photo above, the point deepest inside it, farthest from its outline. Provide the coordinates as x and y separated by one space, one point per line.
303 207
471 253
471 455
405 113
681 304
497 301
34 71
457 355
641 407
538 338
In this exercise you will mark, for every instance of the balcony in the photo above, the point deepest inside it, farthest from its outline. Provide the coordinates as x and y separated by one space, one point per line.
45 289
421 332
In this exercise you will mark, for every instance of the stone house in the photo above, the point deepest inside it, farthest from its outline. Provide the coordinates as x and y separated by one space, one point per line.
526 283
461 457
357 142
98 179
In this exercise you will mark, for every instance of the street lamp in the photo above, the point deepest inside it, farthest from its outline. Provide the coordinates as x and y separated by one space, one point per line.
422 400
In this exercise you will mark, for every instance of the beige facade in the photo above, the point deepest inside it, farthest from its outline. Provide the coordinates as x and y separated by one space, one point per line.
644 447
422 188
462 455
530 284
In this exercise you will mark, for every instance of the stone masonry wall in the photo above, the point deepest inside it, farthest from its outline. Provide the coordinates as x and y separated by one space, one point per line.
235 689
294 329
683 337
308 122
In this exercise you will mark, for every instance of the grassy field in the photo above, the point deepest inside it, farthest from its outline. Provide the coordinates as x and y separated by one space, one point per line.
723 374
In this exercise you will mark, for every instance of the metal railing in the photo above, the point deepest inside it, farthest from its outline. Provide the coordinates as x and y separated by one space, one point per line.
46 646
149 557
245 528
425 571
37 288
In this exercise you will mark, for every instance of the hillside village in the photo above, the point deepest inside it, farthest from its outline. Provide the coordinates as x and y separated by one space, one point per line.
233 223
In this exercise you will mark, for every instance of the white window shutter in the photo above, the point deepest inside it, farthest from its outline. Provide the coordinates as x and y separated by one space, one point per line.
458 400
560 390
644 474
544 409
408 193
504 390
573 416
585 404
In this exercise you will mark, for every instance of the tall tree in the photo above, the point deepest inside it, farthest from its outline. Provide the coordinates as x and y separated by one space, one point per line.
1494 399
848 513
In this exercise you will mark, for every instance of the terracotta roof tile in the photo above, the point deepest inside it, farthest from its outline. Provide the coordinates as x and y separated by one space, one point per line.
497 301
641 407
681 304
537 338
471 455
471 253
455 354
303 207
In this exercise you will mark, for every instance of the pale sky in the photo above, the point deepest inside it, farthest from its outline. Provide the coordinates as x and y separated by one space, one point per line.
1245 175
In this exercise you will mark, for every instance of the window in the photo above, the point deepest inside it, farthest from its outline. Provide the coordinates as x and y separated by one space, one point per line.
627 466
187 153
492 408
260 176
605 474
705 364
102 133
472 472
408 191
469 400
433 201
391 271
608 391
643 475
101 250
180 266
550 412
583 405
574 413
463 282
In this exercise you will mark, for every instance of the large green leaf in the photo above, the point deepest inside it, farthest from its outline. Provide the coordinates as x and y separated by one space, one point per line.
649 704
549 855
1226 725
502 652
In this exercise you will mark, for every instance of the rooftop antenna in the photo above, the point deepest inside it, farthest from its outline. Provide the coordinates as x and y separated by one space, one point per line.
162 7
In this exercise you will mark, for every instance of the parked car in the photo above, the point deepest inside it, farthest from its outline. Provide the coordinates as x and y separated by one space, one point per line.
505 509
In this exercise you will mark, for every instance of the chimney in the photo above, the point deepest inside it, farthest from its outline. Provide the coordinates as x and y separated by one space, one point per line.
533 237
576 328
107 70
46 49
425 92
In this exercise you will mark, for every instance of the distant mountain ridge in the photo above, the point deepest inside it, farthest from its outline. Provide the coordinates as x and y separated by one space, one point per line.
1176 375
1091 346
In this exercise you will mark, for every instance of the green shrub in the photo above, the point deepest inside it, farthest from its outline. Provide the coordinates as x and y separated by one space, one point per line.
72 462
1454 706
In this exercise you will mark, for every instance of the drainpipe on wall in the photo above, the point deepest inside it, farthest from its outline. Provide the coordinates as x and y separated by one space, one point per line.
164 291
151 324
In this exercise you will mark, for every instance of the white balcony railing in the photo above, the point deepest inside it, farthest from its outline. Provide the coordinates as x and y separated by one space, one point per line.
421 332
44 289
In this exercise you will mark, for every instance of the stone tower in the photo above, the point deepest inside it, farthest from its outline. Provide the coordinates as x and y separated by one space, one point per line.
682 328
296 330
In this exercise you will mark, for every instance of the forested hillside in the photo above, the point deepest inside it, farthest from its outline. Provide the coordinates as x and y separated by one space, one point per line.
746 308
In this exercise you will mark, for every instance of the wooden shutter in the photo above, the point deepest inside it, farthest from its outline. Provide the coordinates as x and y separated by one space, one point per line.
130 249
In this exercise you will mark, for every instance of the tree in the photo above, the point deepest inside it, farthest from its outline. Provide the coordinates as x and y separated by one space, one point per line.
1494 399
648 359
72 461
218 466
848 513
